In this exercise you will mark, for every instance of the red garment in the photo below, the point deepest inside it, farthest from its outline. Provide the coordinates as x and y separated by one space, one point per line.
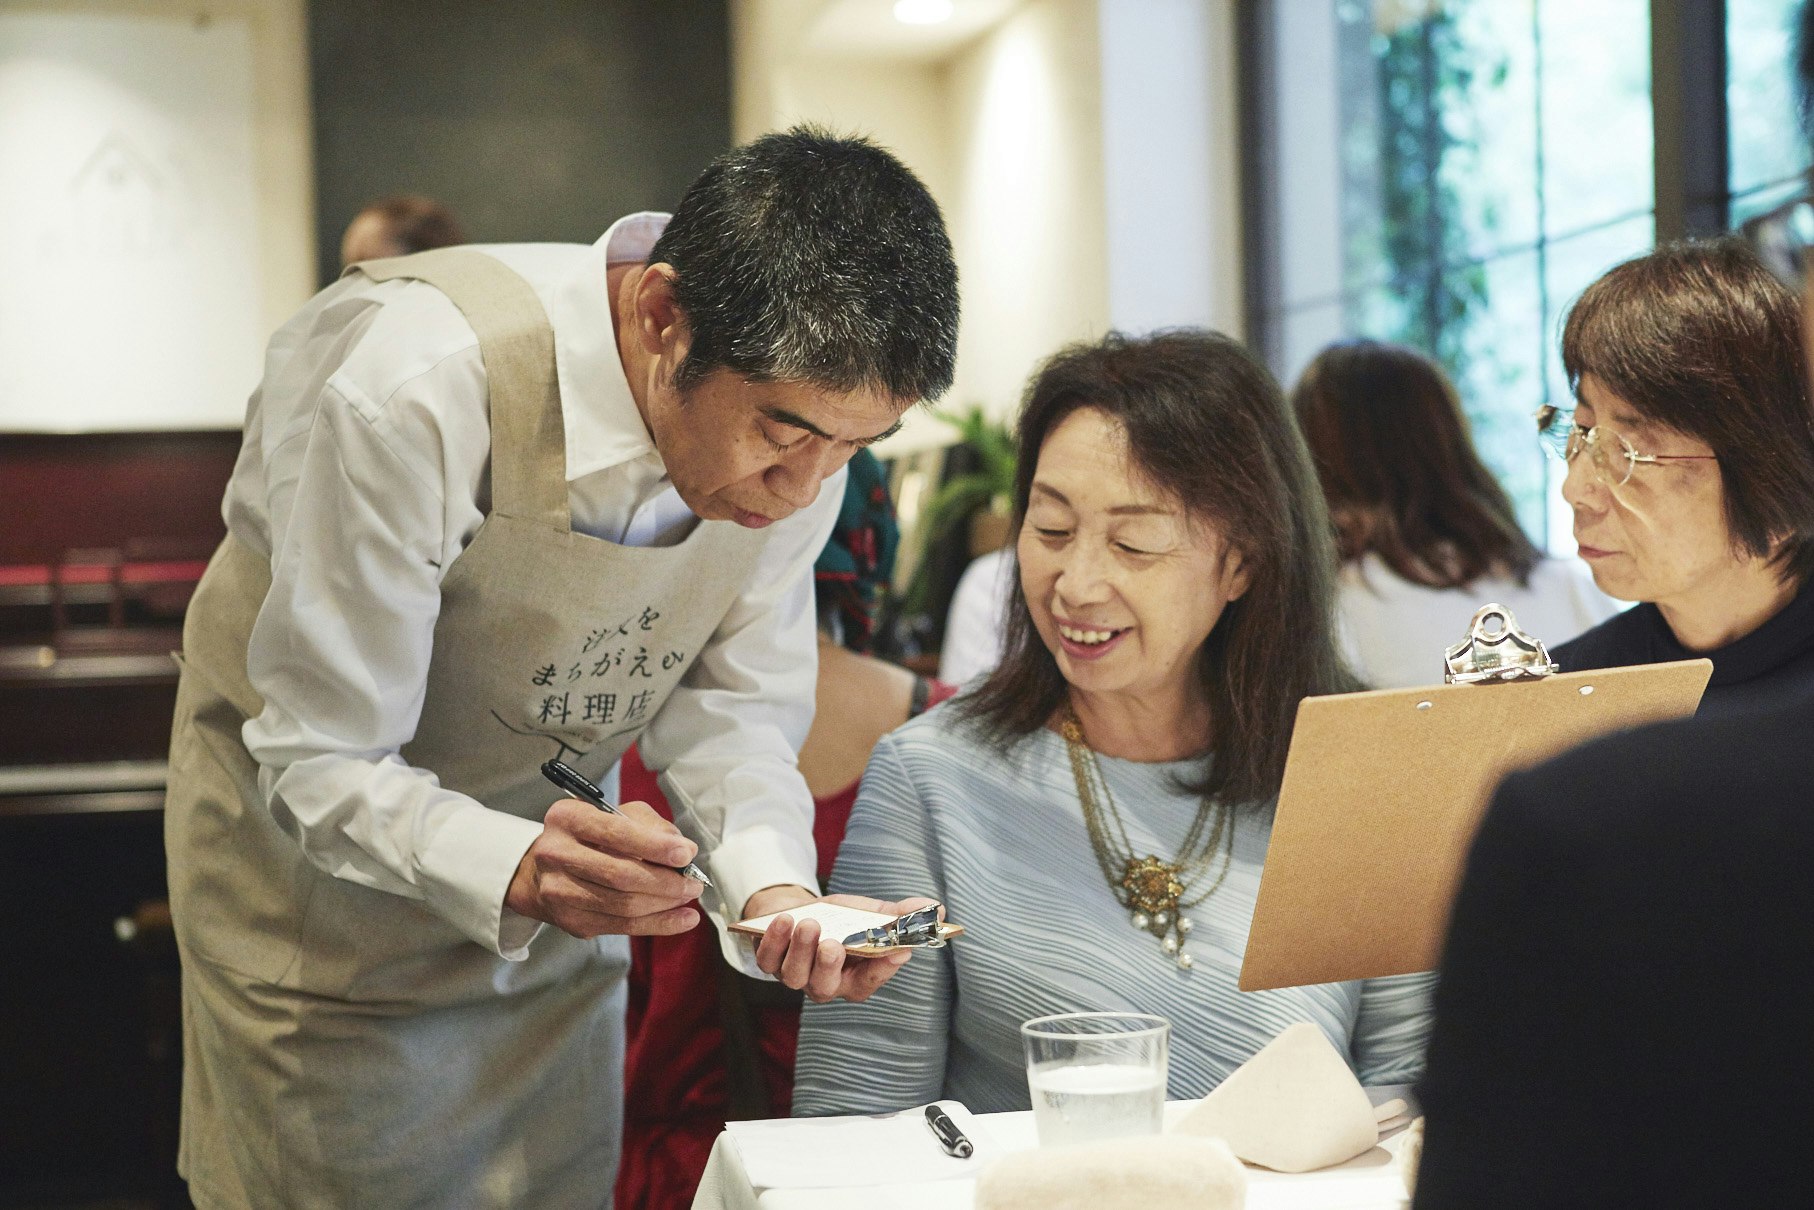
676 1090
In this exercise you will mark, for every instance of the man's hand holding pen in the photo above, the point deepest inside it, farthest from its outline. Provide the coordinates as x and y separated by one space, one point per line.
599 868
591 872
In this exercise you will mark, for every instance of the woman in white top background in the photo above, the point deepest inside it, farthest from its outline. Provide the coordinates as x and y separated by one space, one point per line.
1426 534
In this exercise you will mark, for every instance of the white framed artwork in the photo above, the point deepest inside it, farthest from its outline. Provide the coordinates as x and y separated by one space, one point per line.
131 286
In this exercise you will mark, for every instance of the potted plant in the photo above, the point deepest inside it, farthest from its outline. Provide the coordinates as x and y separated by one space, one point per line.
984 496
981 500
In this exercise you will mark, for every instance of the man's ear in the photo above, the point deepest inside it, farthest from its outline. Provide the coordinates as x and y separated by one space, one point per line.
661 326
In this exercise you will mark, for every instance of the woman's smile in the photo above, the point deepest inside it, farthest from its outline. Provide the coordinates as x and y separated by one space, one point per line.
1090 642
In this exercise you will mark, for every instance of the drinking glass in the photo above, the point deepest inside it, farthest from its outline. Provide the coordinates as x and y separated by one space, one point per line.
1096 1075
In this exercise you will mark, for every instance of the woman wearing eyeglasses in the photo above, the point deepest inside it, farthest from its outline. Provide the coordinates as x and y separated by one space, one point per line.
1691 469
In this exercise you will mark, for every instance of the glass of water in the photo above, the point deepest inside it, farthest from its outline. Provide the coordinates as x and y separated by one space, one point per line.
1096 1075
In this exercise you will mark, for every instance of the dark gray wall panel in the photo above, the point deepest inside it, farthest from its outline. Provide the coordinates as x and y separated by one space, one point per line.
533 119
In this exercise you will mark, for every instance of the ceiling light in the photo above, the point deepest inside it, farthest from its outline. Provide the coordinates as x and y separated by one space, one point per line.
922 12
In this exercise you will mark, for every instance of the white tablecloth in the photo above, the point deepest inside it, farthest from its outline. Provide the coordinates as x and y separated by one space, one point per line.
1367 1182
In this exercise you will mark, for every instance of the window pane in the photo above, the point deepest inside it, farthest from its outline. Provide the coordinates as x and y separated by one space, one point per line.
1764 146
1598 145
1500 376
1486 159
1754 202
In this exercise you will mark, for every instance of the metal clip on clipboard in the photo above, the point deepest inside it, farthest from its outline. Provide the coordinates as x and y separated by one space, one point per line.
918 929
1496 650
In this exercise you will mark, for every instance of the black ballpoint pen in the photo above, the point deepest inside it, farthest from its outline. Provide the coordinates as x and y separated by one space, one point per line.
949 1136
575 783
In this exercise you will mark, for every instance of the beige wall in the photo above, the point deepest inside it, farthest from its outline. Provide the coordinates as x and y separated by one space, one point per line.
1171 146
1027 211
285 149
1015 133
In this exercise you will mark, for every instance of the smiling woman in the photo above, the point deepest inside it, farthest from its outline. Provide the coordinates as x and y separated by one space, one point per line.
1691 468
1117 772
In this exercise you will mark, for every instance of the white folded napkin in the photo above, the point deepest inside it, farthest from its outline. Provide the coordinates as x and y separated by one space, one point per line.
1294 1106
1165 1173
1410 1153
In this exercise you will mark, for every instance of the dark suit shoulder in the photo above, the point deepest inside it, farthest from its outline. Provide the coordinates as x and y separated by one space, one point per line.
1705 798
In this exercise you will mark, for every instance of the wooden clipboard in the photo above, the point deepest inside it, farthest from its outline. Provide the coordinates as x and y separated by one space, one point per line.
1383 792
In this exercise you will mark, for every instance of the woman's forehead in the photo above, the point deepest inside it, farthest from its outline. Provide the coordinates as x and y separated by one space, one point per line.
1614 410
1086 460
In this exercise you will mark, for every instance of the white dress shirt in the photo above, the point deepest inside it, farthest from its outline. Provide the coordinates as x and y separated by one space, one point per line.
363 477
976 626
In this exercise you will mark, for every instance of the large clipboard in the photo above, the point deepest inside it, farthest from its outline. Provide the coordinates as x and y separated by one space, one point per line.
1383 792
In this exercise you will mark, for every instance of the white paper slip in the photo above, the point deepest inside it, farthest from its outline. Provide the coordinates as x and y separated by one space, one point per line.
834 919
882 1149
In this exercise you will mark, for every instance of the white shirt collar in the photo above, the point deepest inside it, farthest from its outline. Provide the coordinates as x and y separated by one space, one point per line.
603 427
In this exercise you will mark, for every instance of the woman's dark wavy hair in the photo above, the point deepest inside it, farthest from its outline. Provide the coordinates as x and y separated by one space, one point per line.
1391 446
1205 422
1700 337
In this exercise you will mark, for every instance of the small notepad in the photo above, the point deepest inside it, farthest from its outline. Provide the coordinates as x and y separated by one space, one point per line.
840 922
834 920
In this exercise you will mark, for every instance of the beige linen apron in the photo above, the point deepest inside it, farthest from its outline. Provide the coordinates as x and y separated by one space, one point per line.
348 1047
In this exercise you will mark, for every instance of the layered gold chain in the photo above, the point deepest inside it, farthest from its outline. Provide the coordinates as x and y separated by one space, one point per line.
1153 891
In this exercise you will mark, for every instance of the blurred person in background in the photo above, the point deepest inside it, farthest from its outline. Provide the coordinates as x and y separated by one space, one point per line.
704 1045
1691 468
1425 533
974 626
398 226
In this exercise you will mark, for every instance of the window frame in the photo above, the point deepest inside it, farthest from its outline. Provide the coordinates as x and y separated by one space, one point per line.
1690 125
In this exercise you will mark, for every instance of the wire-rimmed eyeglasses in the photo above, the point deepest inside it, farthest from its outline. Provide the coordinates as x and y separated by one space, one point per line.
1783 238
1611 455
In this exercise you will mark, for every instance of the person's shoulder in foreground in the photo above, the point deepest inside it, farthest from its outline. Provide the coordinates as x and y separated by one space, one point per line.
1622 1015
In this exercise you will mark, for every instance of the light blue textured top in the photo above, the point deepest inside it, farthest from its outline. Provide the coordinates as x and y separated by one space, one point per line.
1000 839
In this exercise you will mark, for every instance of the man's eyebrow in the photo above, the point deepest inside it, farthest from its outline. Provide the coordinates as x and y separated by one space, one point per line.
783 416
884 435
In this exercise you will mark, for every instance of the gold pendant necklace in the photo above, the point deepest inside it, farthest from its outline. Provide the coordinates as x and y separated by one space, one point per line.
1152 890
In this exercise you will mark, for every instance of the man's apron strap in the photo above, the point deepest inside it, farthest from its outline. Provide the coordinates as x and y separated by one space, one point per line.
516 342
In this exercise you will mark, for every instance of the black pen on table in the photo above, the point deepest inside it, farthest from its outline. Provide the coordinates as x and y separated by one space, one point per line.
949 1136
575 783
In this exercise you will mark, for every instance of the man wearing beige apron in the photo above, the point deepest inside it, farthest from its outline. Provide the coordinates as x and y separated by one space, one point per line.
497 505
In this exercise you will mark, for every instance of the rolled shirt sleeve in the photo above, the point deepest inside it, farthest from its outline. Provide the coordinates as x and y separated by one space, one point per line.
726 741
357 517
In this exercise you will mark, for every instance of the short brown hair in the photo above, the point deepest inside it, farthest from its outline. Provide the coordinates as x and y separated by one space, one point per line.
1701 338
1391 445
1206 423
